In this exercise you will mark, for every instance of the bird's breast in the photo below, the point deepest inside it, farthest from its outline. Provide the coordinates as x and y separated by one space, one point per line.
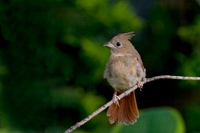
121 73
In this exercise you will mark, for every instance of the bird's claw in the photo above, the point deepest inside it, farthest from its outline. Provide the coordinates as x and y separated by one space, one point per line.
116 100
140 85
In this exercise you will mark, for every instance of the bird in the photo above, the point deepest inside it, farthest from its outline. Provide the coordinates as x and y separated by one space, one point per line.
124 70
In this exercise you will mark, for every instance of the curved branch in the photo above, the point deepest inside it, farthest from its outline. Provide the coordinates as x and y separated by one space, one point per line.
78 124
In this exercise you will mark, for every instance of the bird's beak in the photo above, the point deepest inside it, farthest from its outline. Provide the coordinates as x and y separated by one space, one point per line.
109 45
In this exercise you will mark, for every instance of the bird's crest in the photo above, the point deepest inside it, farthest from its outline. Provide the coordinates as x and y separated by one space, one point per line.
127 35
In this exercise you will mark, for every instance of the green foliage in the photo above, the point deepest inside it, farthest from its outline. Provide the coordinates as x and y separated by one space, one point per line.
157 45
191 33
192 116
190 64
156 120
53 60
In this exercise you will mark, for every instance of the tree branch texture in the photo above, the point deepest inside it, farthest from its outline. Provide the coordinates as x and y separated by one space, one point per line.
78 124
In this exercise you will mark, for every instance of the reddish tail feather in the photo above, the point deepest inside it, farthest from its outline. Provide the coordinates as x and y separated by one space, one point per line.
126 112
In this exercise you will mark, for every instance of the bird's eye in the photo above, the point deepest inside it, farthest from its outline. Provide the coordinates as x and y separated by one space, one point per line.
118 44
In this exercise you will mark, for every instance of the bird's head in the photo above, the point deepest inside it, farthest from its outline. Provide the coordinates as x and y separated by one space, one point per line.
120 44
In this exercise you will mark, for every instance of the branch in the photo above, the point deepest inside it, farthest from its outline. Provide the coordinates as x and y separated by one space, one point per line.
78 124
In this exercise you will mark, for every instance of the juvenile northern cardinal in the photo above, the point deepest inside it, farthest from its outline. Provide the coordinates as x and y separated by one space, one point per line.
123 70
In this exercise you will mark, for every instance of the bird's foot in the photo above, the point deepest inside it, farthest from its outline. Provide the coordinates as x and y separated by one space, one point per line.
140 85
116 99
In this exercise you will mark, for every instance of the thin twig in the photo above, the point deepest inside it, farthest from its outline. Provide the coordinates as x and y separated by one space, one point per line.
78 124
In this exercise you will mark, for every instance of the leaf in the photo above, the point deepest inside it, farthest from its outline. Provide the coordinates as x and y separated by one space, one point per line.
155 120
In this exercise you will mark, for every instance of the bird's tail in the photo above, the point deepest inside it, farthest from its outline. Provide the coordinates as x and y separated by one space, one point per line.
126 112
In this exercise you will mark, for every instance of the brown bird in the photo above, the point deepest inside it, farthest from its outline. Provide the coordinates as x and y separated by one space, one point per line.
123 70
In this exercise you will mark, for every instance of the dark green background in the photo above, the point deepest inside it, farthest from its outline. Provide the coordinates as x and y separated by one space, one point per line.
52 61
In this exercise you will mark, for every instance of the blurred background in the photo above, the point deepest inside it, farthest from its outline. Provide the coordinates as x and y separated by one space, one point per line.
52 61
